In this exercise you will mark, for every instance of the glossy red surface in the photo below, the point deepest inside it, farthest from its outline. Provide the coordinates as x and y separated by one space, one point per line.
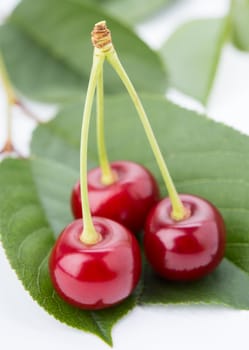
127 201
187 249
95 276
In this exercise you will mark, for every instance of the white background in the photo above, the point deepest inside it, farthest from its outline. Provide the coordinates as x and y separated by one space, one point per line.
24 325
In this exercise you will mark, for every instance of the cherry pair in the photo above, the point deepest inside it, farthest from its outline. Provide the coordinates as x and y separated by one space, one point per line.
96 261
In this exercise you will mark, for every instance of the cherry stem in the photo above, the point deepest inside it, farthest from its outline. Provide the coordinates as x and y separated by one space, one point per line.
104 43
11 100
89 234
9 123
28 112
107 175
6 82
11 96
178 209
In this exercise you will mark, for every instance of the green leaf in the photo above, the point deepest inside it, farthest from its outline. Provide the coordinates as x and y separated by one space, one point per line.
177 130
47 48
240 20
61 137
205 158
55 82
192 54
34 208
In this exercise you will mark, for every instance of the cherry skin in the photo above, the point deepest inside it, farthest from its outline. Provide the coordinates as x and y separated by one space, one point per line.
127 201
99 275
187 249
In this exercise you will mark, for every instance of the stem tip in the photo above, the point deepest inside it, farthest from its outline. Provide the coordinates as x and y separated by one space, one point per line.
101 36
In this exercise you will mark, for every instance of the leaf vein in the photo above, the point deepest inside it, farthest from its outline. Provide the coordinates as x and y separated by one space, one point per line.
24 241
98 324
39 271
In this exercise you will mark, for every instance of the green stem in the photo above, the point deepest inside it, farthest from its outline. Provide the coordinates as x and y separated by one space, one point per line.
178 210
107 176
11 96
6 82
89 234
10 102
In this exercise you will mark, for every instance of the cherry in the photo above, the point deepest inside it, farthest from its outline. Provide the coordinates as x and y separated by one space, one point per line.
187 249
99 275
127 200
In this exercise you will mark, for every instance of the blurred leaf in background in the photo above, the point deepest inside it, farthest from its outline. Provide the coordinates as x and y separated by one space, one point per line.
47 48
129 10
192 54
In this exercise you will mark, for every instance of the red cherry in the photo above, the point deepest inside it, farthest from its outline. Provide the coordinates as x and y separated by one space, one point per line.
99 275
127 201
187 249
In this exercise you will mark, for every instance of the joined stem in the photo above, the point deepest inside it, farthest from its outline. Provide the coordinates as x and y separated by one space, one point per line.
89 234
